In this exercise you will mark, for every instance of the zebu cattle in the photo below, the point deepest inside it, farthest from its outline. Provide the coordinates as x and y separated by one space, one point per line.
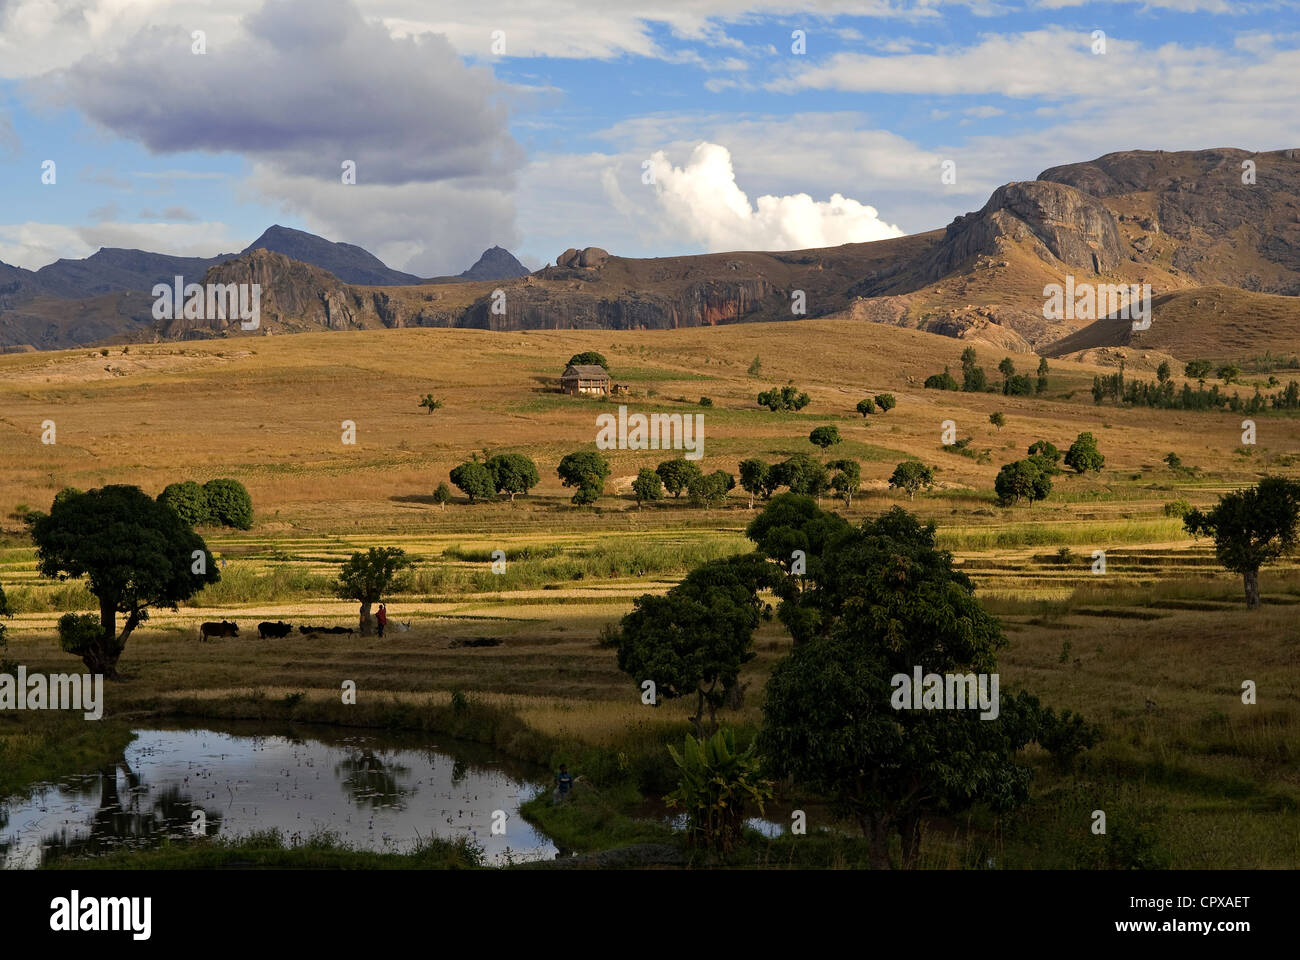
225 628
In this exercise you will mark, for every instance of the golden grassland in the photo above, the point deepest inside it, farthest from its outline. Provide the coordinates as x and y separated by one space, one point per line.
1155 650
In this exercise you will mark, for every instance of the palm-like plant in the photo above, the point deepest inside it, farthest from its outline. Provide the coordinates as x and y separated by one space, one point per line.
717 784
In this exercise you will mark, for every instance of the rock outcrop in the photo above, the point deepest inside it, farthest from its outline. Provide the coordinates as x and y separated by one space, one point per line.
1059 223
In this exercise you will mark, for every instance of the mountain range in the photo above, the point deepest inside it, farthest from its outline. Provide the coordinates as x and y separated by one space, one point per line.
1215 233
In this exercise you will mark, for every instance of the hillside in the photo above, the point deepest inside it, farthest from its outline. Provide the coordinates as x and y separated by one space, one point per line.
1210 323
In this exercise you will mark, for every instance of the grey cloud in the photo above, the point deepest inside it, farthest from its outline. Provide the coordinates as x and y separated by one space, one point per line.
308 85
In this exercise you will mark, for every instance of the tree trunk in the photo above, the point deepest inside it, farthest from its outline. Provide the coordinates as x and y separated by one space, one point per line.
909 831
1250 579
876 830
101 656
367 622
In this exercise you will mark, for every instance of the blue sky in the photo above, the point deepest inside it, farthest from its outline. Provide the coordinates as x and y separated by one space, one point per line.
549 143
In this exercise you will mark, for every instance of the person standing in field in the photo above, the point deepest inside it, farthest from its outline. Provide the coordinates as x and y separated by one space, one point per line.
563 783
382 618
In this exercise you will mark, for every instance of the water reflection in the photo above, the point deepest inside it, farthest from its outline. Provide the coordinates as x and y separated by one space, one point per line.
375 793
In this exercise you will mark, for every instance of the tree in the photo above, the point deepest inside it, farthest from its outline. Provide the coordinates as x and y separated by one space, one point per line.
587 472
711 489
753 478
1228 372
802 474
1007 369
1174 461
886 599
1018 385
677 475
783 398
912 475
474 480
189 500
134 552
1163 373
1021 480
229 503
940 381
512 473
973 378
825 436
998 419
1083 455
368 577
1198 370
756 367
887 402
1046 456
866 406
429 403
442 495
846 481
589 357
647 486
1250 528
695 638
1042 375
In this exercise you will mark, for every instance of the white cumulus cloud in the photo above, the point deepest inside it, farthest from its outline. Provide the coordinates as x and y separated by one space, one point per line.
703 200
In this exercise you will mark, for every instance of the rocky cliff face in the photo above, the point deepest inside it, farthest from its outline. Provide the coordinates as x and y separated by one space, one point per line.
1233 215
1059 223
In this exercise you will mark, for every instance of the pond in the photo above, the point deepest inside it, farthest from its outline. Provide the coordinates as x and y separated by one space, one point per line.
380 792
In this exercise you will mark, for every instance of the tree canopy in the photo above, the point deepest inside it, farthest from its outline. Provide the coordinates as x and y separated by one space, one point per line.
512 473
1250 528
586 471
134 552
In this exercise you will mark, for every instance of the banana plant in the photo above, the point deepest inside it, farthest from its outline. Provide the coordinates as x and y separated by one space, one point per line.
718 784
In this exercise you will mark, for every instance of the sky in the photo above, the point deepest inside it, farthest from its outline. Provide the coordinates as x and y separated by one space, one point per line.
189 127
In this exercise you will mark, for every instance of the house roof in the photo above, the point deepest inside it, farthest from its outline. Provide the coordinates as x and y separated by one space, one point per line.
585 371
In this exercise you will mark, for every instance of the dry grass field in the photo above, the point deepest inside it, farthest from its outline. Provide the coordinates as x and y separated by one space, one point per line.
1155 650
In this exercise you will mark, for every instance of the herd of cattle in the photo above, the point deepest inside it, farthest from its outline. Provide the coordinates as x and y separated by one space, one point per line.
268 630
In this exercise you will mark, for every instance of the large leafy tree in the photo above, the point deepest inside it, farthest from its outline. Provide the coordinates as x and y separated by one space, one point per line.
587 472
134 552
647 486
1251 527
589 357
825 436
912 475
512 473
1022 480
677 475
886 600
801 474
792 522
188 499
474 480
846 481
368 577
695 638
753 478
1083 455
229 503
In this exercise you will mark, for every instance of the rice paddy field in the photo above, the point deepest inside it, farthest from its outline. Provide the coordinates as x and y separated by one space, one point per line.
1154 649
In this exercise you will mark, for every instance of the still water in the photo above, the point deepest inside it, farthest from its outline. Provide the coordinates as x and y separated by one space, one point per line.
376 792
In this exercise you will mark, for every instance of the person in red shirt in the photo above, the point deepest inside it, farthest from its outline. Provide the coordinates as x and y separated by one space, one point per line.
382 617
